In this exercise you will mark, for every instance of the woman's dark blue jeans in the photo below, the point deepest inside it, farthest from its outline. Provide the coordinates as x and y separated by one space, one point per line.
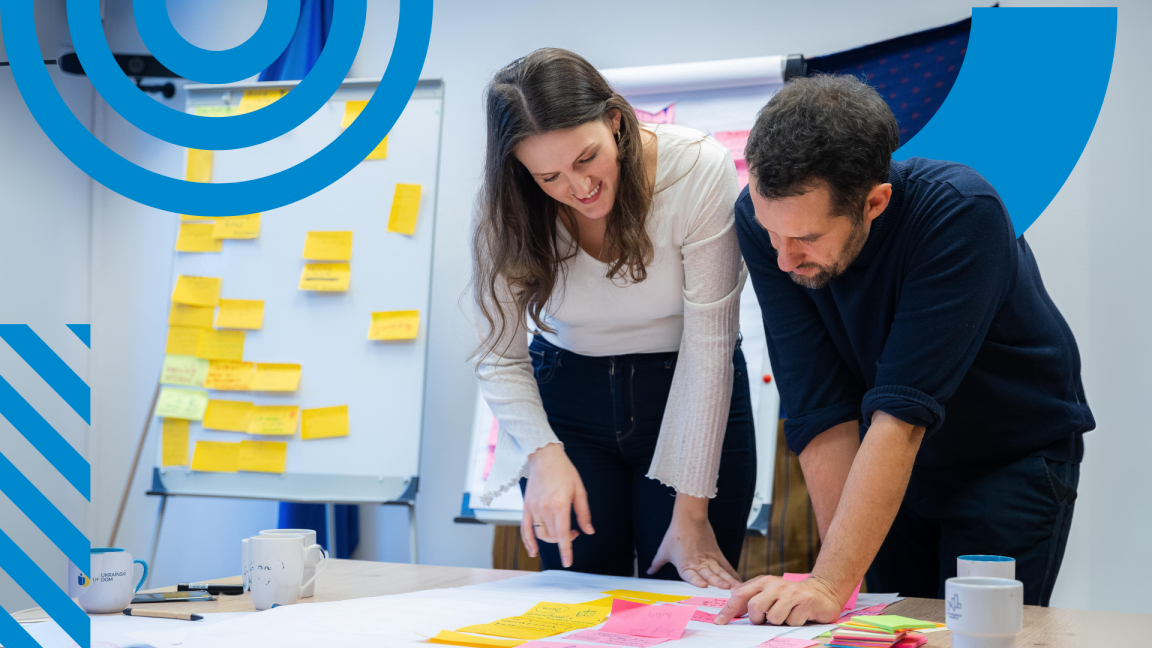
607 413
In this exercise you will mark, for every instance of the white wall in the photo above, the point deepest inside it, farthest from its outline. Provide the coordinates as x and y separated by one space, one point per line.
1092 272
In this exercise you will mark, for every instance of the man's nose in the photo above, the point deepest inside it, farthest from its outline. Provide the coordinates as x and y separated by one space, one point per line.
788 255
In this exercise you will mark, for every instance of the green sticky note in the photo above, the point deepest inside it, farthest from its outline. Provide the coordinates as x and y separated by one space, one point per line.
893 622
187 371
181 404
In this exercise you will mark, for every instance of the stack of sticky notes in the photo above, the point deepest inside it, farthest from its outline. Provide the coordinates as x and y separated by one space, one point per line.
881 631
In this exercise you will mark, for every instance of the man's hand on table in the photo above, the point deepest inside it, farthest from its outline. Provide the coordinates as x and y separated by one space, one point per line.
773 600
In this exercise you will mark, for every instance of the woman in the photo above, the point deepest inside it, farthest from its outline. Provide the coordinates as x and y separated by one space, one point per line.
617 242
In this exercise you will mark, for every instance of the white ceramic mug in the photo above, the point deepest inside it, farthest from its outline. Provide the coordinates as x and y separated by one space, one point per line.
984 612
989 566
113 582
277 568
309 537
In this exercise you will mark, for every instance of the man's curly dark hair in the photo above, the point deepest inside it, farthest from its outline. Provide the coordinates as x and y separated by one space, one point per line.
830 128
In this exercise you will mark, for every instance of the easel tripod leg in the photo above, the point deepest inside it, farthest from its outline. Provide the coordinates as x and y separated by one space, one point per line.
156 539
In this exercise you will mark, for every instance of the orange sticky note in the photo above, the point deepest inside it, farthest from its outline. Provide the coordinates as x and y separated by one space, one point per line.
197 237
394 325
220 345
273 420
174 442
405 209
216 456
324 422
229 375
236 227
325 277
241 314
227 415
190 316
182 340
199 166
197 291
271 376
263 456
328 246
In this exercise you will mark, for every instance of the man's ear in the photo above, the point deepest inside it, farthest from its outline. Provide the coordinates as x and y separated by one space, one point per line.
877 201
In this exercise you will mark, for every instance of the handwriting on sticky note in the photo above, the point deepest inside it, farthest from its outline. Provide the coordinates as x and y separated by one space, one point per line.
328 246
705 601
704 617
325 277
214 111
615 639
788 642
276 376
229 375
197 291
187 371
460 639
645 596
661 621
199 166
191 317
220 345
181 403
394 325
405 209
586 615
263 456
543 620
236 227
241 314
324 422
174 442
273 420
197 237
227 415
216 456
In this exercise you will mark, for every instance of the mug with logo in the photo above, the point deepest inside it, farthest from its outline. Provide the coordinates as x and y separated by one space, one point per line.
309 538
984 612
113 582
277 567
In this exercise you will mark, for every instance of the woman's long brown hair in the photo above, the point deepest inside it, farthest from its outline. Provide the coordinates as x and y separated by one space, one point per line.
516 234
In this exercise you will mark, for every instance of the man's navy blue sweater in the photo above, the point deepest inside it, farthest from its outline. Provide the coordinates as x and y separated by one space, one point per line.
942 321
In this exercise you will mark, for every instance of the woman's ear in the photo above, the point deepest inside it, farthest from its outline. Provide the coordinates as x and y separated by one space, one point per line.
614 118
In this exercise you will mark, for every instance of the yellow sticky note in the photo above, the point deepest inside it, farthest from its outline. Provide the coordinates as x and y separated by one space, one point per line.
273 420
182 340
197 219
197 291
405 208
241 314
352 110
185 370
272 376
214 111
199 166
394 325
190 316
216 456
324 422
237 227
459 639
586 615
605 602
220 345
645 596
257 99
328 246
181 403
380 152
197 237
263 456
543 620
227 415
326 277
228 375
174 442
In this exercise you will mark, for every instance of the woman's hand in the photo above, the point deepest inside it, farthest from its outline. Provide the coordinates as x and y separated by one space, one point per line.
554 489
690 545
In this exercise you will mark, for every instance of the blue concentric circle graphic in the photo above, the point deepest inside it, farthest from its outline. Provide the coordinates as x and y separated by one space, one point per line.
216 133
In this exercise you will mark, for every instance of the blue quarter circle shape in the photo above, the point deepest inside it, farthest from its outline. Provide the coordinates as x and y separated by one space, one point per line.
1025 101
216 133
223 199
211 66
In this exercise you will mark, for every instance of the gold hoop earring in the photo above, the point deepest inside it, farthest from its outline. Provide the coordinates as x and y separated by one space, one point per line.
617 137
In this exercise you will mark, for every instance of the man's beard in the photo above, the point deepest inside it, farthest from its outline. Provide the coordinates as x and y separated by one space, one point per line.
827 273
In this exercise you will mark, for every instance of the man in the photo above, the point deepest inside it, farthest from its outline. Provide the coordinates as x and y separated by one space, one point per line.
932 387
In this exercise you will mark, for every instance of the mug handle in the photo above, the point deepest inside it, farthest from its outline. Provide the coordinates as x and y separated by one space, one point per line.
319 566
144 576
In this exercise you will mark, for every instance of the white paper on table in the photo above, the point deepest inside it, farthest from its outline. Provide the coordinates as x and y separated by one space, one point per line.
118 630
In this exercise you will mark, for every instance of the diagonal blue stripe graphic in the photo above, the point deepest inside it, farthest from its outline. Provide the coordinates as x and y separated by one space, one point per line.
42 590
12 635
51 368
46 439
82 331
44 515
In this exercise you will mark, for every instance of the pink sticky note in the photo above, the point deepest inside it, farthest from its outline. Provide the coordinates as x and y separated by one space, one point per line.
599 636
621 605
660 621
780 642
704 617
734 141
741 174
705 601
796 578
665 116
552 644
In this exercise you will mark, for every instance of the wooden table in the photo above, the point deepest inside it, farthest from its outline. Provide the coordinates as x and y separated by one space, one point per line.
349 579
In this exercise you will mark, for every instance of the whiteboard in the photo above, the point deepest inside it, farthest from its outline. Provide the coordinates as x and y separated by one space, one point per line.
709 111
382 383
